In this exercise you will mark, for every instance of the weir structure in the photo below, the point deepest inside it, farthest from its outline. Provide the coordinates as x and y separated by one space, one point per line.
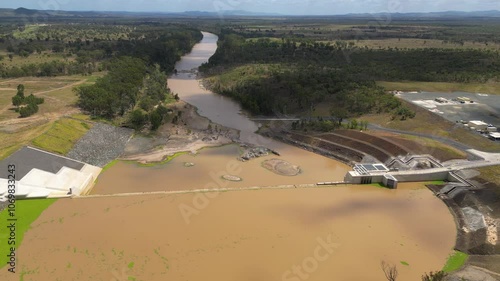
380 173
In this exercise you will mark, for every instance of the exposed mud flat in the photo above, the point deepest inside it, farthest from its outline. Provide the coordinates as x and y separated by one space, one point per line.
244 235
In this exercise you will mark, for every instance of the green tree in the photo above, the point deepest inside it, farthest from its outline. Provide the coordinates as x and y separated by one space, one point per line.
340 113
137 119
404 112
17 101
155 118
162 110
353 124
146 103
96 100
20 90
28 110
156 85
32 99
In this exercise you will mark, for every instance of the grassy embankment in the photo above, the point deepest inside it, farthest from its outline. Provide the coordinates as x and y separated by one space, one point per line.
430 146
62 135
490 175
26 212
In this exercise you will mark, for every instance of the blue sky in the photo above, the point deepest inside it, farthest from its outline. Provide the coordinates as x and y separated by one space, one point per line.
271 6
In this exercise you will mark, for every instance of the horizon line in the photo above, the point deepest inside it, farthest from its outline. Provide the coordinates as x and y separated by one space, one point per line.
253 12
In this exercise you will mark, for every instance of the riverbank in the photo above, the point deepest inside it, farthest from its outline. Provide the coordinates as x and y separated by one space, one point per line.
477 218
190 133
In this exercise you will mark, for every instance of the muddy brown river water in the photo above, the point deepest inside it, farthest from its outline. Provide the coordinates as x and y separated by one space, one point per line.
239 235
315 234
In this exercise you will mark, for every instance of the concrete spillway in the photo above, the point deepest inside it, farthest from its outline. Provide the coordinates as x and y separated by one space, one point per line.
33 173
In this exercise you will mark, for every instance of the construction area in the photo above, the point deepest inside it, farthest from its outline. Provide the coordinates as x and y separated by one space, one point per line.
458 106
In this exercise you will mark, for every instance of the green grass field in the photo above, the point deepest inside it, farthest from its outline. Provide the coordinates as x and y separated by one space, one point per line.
61 137
26 212
485 88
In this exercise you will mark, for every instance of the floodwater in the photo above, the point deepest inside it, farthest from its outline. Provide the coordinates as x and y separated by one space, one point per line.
210 165
128 177
338 233
335 233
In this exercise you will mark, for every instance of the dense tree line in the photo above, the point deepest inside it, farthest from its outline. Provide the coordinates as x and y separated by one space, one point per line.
300 88
131 90
307 75
153 43
446 65
115 93
313 73
48 69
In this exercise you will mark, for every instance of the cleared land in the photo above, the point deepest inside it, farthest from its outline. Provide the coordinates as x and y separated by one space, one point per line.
484 107
429 123
60 101
491 87
162 244
43 57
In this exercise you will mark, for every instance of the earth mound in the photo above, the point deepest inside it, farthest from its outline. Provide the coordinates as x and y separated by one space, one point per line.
281 167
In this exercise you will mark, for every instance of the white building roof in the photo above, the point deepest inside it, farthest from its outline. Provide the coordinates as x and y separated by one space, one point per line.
369 169
495 135
478 123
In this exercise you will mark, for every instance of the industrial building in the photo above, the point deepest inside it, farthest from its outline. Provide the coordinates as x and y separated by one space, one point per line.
477 125
494 136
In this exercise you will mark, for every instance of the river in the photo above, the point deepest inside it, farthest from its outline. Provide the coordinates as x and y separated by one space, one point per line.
337 233
212 163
